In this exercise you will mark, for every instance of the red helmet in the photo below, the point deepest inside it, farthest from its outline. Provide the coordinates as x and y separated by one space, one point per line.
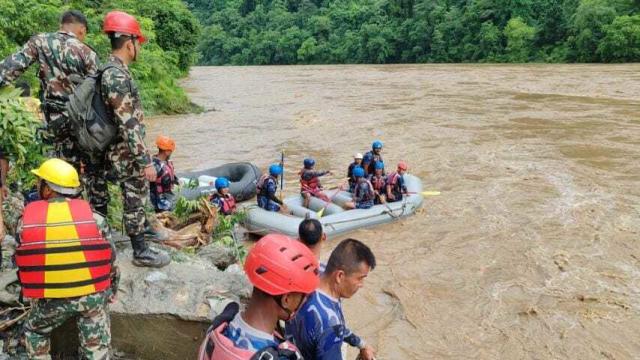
121 22
279 265
402 166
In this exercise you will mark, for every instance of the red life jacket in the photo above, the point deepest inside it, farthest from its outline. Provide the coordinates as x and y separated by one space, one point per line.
166 177
392 179
227 203
216 346
312 185
378 183
62 253
260 183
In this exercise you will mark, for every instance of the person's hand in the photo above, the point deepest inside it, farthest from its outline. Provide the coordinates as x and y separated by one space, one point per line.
284 208
391 197
367 353
150 173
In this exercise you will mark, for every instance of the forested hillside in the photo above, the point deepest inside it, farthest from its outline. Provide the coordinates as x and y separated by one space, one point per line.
172 30
407 31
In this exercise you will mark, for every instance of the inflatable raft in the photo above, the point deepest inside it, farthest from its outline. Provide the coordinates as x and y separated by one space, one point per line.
242 176
335 219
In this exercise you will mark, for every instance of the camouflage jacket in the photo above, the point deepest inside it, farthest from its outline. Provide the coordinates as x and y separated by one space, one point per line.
60 55
128 155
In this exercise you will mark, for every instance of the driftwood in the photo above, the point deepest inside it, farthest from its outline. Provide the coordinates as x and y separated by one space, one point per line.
195 231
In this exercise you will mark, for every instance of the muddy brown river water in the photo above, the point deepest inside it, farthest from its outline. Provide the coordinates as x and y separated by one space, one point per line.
531 251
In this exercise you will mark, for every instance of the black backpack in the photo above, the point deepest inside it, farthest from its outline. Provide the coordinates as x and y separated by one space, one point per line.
91 123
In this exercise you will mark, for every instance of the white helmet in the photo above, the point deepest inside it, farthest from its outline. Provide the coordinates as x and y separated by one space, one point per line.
358 156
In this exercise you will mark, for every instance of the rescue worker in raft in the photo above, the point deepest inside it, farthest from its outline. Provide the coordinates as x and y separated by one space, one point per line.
267 188
363 194
283 272
161 191
370 158
396 186
357 161
319 329
65 264
222 199
310 182
379 183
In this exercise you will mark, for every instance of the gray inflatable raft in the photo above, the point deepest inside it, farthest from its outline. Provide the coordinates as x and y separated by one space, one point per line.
242 176
335 219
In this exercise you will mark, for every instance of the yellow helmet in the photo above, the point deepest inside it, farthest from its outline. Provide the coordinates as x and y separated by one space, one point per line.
60 175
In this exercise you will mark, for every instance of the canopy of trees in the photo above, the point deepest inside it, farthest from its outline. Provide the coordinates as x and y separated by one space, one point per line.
407 31
173 33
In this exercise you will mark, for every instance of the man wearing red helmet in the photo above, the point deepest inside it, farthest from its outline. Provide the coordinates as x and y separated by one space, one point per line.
128 156
395 183
283 272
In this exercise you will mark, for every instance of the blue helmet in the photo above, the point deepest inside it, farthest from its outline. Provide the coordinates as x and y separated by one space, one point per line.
379 165
275 170
309 162
377 144
358 171
222 183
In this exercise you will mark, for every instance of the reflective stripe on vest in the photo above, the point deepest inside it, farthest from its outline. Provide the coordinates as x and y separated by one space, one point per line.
62 253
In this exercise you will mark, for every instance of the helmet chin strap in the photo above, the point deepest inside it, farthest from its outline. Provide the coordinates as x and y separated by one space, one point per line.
135 50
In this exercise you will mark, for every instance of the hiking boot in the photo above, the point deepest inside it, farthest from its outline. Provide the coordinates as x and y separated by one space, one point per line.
151 258
145 256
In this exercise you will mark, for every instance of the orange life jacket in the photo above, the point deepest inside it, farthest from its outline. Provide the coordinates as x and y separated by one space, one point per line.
62 253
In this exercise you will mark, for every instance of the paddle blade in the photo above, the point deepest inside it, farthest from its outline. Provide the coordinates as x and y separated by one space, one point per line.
430 193
320 212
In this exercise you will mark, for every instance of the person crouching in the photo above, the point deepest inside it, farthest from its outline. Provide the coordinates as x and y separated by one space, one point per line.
222 199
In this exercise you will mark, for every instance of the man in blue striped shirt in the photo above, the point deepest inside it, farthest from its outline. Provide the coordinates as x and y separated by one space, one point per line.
319 329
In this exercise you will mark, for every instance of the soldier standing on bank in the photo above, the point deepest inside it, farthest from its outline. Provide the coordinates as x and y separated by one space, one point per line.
128 156
60 55
65 265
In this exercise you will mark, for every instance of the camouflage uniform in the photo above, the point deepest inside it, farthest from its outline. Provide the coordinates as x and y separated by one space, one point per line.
94 325
60 55
128 156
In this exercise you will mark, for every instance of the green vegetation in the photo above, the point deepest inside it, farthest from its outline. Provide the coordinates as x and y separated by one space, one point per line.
243 32
172 31
18 128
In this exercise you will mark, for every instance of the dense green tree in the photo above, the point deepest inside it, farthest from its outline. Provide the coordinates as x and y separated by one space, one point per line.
519 36
621 40
391 31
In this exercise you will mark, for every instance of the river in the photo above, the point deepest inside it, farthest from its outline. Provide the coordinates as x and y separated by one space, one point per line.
531 251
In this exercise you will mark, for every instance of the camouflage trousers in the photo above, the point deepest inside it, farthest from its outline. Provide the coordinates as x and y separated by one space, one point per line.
65 147
92 320
135 195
